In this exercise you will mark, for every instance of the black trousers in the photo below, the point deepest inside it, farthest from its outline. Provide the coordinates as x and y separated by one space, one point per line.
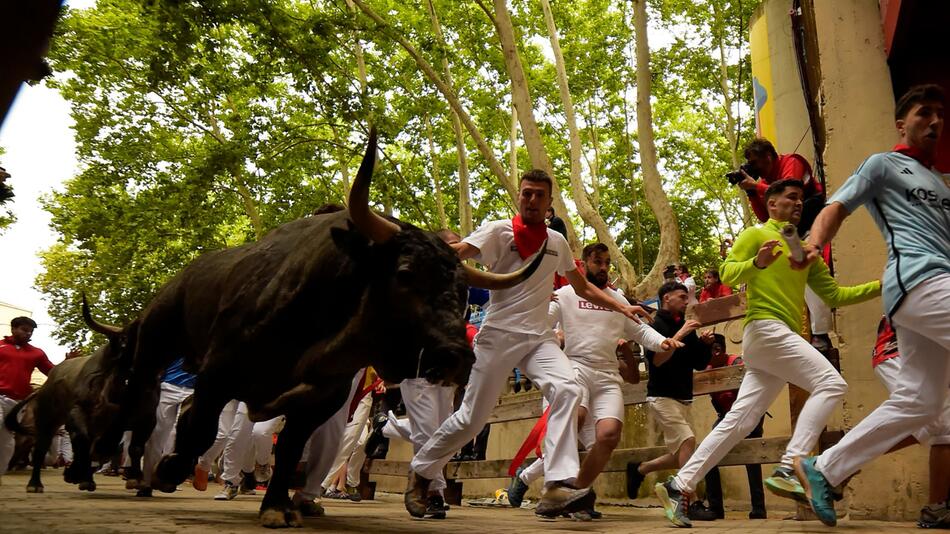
753 471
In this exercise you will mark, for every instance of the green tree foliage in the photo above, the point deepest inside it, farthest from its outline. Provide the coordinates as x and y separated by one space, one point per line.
202 125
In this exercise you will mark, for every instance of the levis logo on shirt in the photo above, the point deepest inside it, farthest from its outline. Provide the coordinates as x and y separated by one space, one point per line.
585 305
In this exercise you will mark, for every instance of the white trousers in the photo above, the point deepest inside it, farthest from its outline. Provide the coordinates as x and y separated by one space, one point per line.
162 439
321 449
819 313
922 324
496 353
262 443
935 433
7 442
233 440
773 355
62 446
354 433
427 407
601 396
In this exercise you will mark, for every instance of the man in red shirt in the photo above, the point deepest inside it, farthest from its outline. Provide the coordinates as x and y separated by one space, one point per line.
713 288
17 360
769 166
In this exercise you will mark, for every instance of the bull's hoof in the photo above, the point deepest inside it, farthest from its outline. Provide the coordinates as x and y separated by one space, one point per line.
133 483
311 509
70 476
274 518
165 487
87 485
294 518
37 488
171 471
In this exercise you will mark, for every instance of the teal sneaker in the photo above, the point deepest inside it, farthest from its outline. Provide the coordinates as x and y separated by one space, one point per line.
675 503
817 489
516 490
784 484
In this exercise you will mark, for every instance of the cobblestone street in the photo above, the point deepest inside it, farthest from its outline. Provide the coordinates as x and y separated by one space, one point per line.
63 508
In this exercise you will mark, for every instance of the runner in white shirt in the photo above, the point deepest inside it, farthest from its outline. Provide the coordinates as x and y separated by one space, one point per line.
516 333
591 333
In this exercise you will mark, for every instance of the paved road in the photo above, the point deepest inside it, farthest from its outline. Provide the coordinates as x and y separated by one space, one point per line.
112 509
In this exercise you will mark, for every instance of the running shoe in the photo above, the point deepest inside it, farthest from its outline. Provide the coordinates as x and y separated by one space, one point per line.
263 472
353 494
634 479
935 516
559 497
516 490
416 497
698 511
675 503
436 507
229 492
817 489
784 484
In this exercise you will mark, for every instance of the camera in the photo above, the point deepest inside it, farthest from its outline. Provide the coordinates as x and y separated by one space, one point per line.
736 176
670 272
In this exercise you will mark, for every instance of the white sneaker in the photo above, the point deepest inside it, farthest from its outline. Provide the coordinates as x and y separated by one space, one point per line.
229 492
263 472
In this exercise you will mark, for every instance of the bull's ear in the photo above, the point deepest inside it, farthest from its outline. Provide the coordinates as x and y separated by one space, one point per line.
350 242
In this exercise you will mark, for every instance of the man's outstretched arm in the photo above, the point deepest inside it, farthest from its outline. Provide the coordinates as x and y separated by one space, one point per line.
592 293
823 230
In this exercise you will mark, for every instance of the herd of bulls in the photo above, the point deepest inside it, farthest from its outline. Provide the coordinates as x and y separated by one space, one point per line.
282 324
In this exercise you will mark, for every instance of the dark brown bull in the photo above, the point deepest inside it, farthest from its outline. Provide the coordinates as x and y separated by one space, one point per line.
83 393
283 324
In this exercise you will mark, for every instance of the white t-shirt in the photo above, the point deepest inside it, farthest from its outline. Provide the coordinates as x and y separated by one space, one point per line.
523 308
591 331
690 289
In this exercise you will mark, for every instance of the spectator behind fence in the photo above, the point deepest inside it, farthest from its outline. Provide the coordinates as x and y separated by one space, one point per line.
714 288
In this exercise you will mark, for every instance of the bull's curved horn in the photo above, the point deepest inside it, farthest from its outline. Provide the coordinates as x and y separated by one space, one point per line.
497 281
366 220
104 329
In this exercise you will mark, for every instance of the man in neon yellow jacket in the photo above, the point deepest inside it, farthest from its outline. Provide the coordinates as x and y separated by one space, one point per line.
773 351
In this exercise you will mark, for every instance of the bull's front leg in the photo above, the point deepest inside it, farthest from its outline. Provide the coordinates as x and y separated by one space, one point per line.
195 432
277 509
141 425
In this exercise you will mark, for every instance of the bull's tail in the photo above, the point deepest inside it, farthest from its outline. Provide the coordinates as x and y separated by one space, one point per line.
11 421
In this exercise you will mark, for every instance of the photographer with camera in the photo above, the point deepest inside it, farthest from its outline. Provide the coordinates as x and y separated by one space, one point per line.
763 167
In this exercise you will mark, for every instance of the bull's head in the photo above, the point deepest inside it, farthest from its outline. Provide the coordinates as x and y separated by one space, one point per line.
418 291
117 353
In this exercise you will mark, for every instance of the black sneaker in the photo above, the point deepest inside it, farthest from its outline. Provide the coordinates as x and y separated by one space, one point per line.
436 507
377 445
698 511
634 479
758 513
516 490
935 516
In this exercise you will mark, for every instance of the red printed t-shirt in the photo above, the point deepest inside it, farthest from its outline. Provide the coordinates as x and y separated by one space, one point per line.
787 167
16 365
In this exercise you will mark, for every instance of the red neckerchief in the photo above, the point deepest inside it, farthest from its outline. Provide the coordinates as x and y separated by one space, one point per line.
528 237
916 153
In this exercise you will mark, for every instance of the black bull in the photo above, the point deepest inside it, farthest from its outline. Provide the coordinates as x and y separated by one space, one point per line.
283 324
84 394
